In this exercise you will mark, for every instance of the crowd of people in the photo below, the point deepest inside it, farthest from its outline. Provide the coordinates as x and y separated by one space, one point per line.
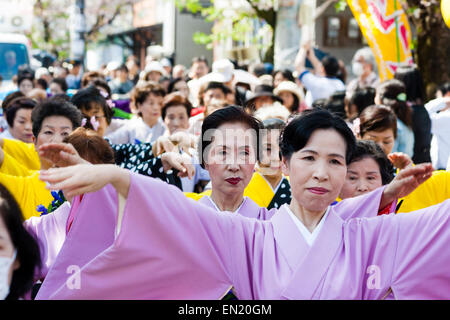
225 182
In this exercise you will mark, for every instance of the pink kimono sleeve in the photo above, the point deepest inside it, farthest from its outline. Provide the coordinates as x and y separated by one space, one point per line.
192 251
168 247
50 232
422 260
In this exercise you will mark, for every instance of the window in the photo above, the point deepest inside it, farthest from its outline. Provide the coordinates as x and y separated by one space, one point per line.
353 29
334 24
341 31
12 55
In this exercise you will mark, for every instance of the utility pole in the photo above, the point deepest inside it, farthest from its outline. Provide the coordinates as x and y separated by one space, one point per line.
77 32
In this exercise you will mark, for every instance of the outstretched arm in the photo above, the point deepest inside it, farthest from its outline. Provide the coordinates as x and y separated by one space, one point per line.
421 263
313 59
189 257
300 60
85 178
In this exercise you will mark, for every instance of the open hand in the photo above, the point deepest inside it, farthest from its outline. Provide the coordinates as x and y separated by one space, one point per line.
163 144
180 162
179 141
406 181
400 160
184 141
85 178
61 154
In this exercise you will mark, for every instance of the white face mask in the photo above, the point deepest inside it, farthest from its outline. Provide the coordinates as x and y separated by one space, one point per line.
5 266
357 68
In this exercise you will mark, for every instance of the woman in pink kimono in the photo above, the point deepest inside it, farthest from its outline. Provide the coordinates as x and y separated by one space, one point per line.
230 137
166 245
81 146
230 176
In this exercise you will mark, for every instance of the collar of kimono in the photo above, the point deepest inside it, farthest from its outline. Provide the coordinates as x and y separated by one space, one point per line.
288 237
74 207
309 236
313 262
209 201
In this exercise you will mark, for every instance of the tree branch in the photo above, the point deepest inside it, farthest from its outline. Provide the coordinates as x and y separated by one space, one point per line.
268 16
100 22
321 9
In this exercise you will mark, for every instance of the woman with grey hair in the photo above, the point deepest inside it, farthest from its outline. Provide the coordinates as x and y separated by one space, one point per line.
364 68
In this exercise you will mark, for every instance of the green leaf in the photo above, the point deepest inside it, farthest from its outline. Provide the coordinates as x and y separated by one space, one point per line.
340 6
201 38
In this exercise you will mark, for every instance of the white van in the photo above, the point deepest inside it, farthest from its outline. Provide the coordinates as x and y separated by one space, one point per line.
15 51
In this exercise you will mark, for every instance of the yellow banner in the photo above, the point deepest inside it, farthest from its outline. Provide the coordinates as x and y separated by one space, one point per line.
445 10
385 26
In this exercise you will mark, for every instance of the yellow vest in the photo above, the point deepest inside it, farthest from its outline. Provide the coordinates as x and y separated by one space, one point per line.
433 191
13 167
28 191
24 153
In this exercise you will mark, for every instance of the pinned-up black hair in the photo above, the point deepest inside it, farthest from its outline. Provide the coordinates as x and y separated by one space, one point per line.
298 132
16 105
54 107
87 98
230 114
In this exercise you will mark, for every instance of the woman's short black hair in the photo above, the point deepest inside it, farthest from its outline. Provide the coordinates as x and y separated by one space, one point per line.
370 149
61 96
173 82
295 104
336 104
445 88
23 77
286 73
319 103
26 244
377 118
175 99
230 114
102 84
16 105
362 98
90 97
298 132
9 98
273 123
389 92
54 107
42 83
217 85
331 66
412 79
61 82
199 59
